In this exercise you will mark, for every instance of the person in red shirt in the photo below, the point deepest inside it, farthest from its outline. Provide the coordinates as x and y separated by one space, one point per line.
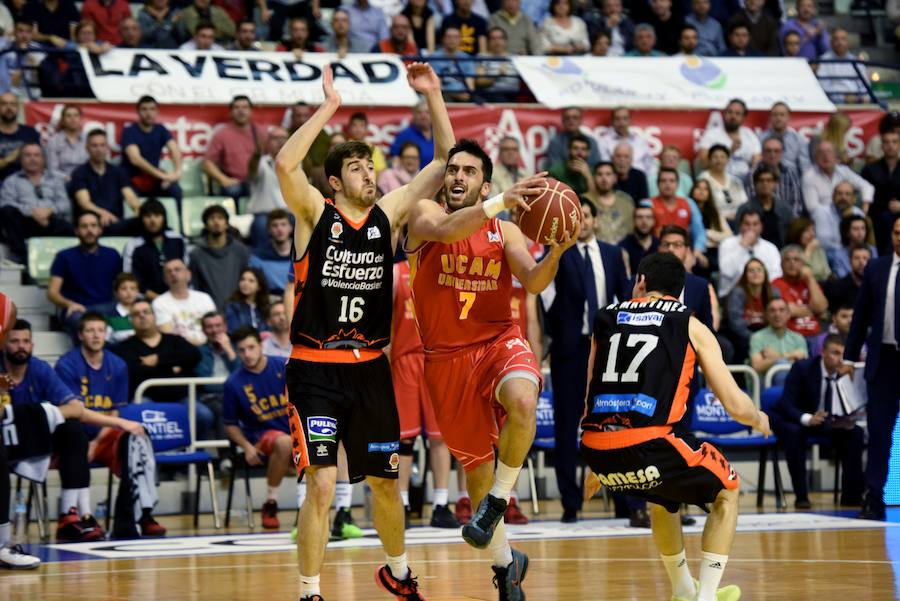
668 207
477 363
399 41
106 15
805 299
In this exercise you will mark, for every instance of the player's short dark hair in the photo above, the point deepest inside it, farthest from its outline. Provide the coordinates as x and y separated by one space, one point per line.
585 202
21 324
122 278
472 147
213 210
351 149
244 332
662 272
833 339
667 170
88 317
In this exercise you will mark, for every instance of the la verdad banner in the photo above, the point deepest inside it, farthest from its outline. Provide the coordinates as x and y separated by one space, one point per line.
671 82
215 77
533 127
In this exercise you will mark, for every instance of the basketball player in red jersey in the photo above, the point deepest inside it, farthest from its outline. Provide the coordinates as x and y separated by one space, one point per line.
338 378
462 258
639 374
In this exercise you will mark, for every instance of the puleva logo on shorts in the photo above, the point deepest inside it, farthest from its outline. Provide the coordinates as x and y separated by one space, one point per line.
642 479
623 403
639 319
321 428
384 447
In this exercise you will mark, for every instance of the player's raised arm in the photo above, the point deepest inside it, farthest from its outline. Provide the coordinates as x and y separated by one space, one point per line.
736 402
535 276
304 200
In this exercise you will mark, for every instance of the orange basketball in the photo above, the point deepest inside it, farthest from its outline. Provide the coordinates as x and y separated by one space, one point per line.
554 212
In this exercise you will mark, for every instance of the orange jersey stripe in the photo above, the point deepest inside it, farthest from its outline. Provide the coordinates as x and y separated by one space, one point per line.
304 353
604 441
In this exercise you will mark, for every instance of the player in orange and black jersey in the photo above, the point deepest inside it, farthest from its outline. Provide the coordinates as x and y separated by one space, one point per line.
338 379
641 367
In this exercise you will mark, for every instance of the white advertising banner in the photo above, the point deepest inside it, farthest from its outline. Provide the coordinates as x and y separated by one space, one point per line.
672 82
215 77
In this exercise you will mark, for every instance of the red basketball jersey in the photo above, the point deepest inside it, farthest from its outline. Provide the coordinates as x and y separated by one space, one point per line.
404 337
462 290
518 301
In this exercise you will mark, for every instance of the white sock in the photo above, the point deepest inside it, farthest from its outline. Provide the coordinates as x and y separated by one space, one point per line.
398 566
343 495
504 480
711 568
441 496
501 552
404 496
462 494
4 533
309 585
679 575
84 501
301 493
68 498
271 493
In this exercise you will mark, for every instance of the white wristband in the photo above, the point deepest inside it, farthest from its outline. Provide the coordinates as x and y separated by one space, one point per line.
493 206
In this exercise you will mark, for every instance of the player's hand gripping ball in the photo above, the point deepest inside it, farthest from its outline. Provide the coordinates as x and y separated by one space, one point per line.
551 214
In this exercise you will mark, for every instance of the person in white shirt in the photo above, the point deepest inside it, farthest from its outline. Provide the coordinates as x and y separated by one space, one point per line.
180 310
265 192
204 38
846 85
278 344
642 156
746 151
748 243
820 180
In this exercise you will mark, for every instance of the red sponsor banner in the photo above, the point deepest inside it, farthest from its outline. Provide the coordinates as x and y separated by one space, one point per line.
534 126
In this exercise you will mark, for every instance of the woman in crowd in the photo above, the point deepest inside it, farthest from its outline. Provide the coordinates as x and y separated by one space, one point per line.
405 167
745 306
802 231
834 131
421 18
727 191
562 32
716 227
250 302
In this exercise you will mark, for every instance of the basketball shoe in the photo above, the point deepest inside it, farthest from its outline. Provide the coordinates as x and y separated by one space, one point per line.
513 514
732 592
508 580
270 515
403 590
74 529
344 528
13 557
313 598
480 530
463 510
442 517
150 527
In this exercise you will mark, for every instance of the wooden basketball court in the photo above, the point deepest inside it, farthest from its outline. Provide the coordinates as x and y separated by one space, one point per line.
830 557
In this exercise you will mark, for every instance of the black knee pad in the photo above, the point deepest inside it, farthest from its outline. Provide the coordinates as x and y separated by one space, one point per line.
406 447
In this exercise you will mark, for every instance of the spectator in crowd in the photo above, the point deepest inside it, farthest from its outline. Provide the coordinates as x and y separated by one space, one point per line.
142 146
716 227
615 209
740 141
709 30
844 291
644 42
828 219
249 303
22 60
419 132
777 214
508 169
802 231
106 15
421 19
457 78
670 156
103 188
33 202
885 179
668 207
575 172
563 33
798 287
841 81
81 277
600 45
790 44
796 148
228 156
641 242
54 21
145 255
255 414
558 150
265 192
340 40
67 147
12 135
218 258
876 322
367 23
727 190
820 180
118 319
299 39
203 11
284 10
813 37
745 307
218 359
178 310
619 132
273 258
687 41
472 27
698 294
734 252
841 317
889 122
855 231
815 403
204 38
278 344
739 42
405 167
789 191
245 38
619 26
667 25
158 21
358 129
522 37
775 344
496 78
34 381
835 130
399 40
130 33
761 25
100 378
628 179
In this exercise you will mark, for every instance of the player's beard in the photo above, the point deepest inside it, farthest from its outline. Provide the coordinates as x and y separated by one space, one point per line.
469 198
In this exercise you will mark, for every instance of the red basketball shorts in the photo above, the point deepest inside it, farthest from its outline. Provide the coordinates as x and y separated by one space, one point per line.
413 400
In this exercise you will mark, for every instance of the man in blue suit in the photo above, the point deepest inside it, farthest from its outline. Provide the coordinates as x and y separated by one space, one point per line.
591 275
816 403
876 322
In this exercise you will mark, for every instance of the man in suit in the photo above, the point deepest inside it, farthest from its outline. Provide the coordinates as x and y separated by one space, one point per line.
591 275
878 307
816 403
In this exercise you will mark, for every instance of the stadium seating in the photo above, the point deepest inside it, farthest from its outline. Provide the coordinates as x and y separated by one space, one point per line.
41 252
172 217
192 211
